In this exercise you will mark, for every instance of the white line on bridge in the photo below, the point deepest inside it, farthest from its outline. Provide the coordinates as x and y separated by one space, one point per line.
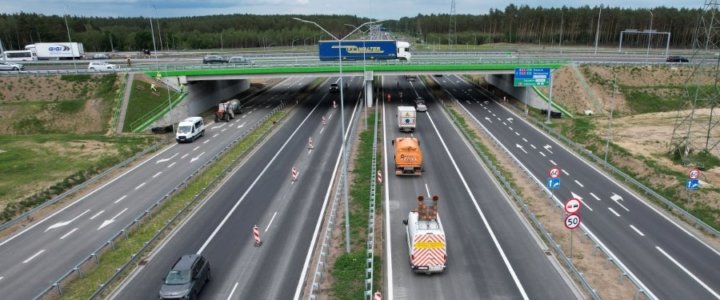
637 230
69 233
34 256
688 272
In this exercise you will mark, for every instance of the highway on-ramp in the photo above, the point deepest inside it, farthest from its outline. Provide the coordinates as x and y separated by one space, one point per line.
491 252
669 261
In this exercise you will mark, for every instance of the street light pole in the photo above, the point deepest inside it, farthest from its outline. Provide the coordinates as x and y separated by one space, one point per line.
647 55
364 72
342 123
597 31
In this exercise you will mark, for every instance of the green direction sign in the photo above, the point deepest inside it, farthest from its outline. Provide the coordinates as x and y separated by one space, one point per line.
532 77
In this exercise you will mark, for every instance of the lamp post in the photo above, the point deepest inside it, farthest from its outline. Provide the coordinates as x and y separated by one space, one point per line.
647 55
69 39
364 71
342 123
292 44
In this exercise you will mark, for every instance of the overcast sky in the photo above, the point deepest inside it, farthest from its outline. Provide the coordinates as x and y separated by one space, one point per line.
392 9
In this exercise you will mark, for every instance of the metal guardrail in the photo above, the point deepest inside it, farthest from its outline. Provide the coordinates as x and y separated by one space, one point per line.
321 264
87 263
28 214
370 255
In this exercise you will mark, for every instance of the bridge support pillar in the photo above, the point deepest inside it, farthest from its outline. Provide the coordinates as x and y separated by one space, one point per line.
368 88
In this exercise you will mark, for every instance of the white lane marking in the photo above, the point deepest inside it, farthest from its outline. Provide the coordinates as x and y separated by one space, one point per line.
525 140
521 148
617 199
223 130
172 164
196 147
517 133
565 172
34 256
494 115
196 157
488 119
578 183
232 291
270 223
543 154
614 212
637 230
96 215
596 197
553 162
533 146
2 277
688 272
482 215
215 135
219 126
121 198
26 229
166 159
581 200
61 224
241 125
509 127
108 222
157 174
139 186
506 125
206 141
321 129
548 147
69 233
427 189
499 119
184 156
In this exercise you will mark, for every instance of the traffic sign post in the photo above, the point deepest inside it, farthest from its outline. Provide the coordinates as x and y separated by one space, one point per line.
572 206
531 77
572 221
693 184
554 172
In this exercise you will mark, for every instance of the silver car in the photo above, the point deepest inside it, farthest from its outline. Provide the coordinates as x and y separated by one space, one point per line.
6 66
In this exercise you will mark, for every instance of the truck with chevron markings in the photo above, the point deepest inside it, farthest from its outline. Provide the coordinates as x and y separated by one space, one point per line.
426 238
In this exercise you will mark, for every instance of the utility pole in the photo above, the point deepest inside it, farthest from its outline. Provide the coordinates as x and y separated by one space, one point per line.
597 31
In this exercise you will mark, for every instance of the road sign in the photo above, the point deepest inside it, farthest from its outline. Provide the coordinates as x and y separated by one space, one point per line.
694 174
572 221
572 205
553 183
693 184
554 172
532 77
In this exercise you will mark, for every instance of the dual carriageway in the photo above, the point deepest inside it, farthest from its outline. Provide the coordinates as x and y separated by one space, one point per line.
492 252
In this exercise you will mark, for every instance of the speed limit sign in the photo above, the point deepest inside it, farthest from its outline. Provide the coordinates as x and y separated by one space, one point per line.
572 221
554 172
694 174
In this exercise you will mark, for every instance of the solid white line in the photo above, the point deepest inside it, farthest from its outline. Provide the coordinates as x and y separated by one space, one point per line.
184 156
232 291
83 198
565 172
69 233
482 215
157 174
637 230
34 256
139 186
386 187
172 164
578 183
553 162
120 199
596 197
97 214
543 154
688 272
196 147
270 223
614 212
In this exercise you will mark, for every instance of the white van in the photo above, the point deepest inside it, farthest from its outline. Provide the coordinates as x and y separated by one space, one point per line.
190 129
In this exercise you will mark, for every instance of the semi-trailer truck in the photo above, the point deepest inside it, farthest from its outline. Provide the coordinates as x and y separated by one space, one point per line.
427 246
364 49
56 51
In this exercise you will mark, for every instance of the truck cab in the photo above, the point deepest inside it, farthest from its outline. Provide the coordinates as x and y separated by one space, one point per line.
190 129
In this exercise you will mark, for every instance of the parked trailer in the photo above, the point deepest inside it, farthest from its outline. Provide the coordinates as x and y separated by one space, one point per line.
361 49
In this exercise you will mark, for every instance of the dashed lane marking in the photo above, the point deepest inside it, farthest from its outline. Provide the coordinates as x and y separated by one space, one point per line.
637 230
614 212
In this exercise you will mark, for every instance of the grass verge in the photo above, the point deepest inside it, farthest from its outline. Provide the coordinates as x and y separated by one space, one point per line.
112 260
349 268
144 100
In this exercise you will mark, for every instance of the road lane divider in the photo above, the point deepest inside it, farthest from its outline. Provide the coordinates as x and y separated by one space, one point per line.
705 286
34 256
69 233
61 224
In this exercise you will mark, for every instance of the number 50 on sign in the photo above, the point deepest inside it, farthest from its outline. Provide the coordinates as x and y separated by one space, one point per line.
572 221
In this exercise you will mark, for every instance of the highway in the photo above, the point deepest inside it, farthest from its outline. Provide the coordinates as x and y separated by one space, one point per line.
492 253
260 191
668 260
35 257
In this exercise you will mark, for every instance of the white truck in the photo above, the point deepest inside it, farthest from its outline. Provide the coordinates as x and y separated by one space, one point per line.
406 118
190 129
426 238
57 51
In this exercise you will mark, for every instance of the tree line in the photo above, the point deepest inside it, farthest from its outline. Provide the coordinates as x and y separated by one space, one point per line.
514 24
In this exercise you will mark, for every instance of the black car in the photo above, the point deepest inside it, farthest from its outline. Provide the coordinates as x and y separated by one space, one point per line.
334 88
214 59
677 59
187 278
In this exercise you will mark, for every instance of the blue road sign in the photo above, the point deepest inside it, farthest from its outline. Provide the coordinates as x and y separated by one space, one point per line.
693 184
532 77
553 183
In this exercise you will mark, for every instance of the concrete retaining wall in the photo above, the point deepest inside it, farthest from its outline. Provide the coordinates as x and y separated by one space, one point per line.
504 82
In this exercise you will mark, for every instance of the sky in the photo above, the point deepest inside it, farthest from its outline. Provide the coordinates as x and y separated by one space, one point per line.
377 9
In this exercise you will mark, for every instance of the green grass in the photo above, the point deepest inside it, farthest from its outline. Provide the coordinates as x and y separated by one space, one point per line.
32 162
84 287
641 101
75 78
349 269
144 100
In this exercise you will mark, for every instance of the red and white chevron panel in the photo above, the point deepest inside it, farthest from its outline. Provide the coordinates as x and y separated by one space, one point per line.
429 250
